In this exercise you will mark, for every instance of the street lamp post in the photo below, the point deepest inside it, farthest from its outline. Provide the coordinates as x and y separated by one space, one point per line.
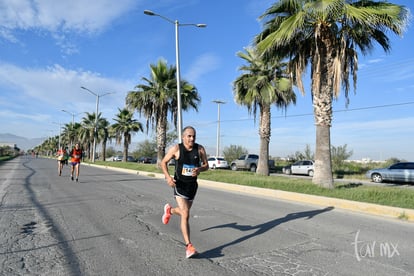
95 130
218 102
177 60
72 114
73 123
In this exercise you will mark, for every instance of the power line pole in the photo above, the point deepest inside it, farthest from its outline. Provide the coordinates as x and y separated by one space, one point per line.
218 102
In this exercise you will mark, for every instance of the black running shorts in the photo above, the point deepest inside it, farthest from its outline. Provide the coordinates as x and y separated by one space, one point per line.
186 190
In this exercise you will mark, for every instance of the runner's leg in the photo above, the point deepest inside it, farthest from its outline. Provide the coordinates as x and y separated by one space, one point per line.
183 210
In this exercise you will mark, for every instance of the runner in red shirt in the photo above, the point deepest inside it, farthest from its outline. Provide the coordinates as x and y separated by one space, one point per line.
75 155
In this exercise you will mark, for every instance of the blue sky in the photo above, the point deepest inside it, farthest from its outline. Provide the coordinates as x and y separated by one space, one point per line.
49 49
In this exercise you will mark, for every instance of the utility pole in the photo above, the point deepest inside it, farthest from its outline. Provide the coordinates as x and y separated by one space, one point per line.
218 102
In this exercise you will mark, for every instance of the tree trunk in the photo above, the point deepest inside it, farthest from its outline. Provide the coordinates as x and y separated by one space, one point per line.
323 169
103 150
161 138
90 150
264 133
126 146
322 95
322 104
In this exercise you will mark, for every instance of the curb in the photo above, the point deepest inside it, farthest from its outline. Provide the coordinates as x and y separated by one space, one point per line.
402 214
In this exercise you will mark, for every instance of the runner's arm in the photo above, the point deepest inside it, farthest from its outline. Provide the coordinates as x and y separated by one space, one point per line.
173 152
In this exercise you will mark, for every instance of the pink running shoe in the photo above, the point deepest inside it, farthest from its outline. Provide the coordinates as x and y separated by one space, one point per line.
167 214
190 251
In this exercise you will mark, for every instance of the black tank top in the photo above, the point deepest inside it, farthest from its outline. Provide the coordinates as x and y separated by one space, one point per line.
187 161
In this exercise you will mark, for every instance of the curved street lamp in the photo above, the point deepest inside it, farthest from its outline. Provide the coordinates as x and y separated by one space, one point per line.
73 122
177 60
95 130
72 114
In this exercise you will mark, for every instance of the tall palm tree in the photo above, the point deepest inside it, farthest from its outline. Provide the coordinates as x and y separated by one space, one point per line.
70 133
157 97
124 127
81 135
88 131
64 136
51 145
327 34
261 85
103 135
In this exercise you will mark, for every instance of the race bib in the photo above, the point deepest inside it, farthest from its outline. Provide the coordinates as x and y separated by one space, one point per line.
188 170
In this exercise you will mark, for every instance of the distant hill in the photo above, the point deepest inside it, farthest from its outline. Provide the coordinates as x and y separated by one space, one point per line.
21 142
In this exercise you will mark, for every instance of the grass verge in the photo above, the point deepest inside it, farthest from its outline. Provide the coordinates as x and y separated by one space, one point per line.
389 196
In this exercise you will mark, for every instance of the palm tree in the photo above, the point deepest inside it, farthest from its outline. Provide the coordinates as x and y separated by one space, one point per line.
124 127
327 34
70 132
51 145
87 133
262 85
157 97
103 135
64 136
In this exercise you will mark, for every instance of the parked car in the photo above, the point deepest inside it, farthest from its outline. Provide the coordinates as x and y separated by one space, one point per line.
131 159
146 160
249 162
398 172
117 158
300 167
217 163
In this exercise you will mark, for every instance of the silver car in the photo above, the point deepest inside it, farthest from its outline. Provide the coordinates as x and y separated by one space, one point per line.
117 158
300 167
399 172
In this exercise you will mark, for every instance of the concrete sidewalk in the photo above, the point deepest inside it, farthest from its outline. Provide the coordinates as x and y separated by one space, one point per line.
361 207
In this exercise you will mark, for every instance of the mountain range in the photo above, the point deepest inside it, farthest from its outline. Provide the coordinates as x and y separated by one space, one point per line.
21 142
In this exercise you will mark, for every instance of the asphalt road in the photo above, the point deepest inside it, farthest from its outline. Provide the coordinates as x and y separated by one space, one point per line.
109 223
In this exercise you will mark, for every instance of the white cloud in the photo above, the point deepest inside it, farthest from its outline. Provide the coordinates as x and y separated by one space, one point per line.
8 114
57 17
60 18
66 46
203 65
34 96
51 83
373 61
52 15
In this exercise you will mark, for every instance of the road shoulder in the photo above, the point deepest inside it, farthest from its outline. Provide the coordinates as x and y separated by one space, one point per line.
402 214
